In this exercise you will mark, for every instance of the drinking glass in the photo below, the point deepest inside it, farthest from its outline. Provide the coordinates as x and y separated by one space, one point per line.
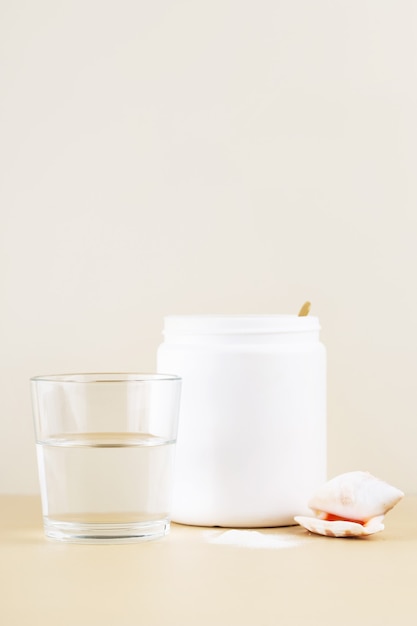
105 447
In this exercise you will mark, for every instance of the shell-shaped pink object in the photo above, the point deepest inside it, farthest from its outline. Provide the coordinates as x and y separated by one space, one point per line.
350 505
355 496
340 528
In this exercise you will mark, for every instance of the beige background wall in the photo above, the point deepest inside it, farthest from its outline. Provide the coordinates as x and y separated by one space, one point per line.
211 156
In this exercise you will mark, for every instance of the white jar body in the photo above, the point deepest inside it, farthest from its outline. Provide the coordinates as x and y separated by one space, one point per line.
251 445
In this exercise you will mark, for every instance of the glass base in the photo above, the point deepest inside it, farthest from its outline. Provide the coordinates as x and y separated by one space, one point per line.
133 532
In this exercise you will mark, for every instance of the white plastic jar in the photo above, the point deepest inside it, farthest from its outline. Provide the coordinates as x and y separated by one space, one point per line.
251 445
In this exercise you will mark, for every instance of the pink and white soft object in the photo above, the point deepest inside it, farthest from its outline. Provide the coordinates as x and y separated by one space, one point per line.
350 505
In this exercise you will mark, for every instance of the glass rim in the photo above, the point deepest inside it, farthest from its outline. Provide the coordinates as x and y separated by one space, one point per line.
91 378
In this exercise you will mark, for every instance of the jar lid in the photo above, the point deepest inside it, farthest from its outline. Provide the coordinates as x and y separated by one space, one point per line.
239 324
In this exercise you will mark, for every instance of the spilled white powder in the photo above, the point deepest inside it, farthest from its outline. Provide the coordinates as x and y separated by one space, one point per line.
253 539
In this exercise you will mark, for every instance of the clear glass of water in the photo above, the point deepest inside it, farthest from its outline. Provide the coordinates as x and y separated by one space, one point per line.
105 446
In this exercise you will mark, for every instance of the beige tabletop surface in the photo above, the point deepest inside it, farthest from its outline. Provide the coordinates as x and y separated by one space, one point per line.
208 576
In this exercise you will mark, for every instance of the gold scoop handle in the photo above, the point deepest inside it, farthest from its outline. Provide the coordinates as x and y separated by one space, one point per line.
305 309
